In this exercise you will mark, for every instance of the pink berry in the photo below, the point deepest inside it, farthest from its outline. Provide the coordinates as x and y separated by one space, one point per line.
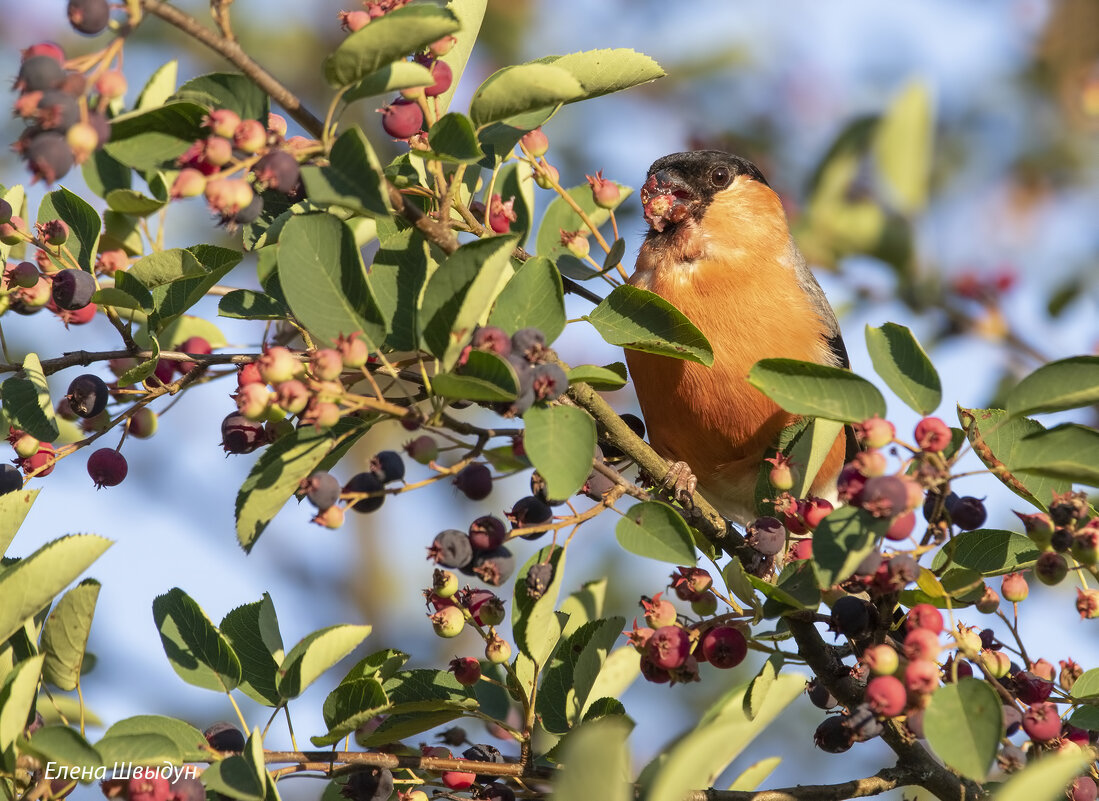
724 647
535 142
221 122
1041 722
921 676
925 616
466 670
402 118
1014 588
875 432
668 647
658 611
933 435
604 192
886 695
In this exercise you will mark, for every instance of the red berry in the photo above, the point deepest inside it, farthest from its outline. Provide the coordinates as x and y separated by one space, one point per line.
925 616
443 76
1041 722
724 647
921 644
196 345
668 647
933 435
107 467
466 670
352 21
886 695
875 432
402 118
921 676
111 84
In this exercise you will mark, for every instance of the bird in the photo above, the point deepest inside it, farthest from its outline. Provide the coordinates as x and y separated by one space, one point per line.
719 248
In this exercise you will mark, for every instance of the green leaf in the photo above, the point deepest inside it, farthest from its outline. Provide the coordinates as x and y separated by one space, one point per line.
30 585
560 441
17 693
1066 384
229 90
754 775
1069 452
990 552
159 87
275 477
601 72
533 297
452 139
132 202
315 654
499 138
187 326
603 379
390 78
197 651
459 294
397 277
189 740
103 174
387 39
26 397
522 88
515 180
817 390
119 231
596 761
1087 686
179 278
470 14
144 369
696 759
65 635
62 745
351 179
253 631
1085 717
139 749
1045 779
84 224
758 688
620 669
349 706
235 777
641 320
657 531
536 626
809 450
484 377
998 441
796 588
963 724
559 215
247 304
842 540
566 691
322 275
397 727
903 147
902 363
145 140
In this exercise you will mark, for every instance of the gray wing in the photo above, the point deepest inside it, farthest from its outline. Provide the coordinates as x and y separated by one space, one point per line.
824 311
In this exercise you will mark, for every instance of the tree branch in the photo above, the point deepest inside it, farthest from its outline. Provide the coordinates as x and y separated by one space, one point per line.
881 782
326 759
233 52
836 676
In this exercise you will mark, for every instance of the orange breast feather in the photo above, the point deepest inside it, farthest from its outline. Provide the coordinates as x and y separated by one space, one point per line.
733 276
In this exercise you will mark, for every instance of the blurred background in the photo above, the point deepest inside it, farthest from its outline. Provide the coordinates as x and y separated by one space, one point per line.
997 272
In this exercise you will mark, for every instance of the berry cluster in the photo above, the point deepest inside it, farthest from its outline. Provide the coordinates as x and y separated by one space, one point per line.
540 378
671 646
364 492
452 608
259 155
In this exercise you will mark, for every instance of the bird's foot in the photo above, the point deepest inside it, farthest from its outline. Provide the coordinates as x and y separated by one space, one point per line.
681 482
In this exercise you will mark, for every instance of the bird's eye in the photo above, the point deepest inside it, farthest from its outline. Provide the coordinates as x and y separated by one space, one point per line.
720 177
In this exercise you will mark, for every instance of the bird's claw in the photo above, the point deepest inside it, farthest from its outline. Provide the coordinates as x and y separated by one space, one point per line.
681 482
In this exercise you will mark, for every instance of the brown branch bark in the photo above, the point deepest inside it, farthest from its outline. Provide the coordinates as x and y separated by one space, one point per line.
324 759
881 782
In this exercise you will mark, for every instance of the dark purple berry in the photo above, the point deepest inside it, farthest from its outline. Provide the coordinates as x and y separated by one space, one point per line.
487 532
851 616
57 110
636 425
529 343
474 481
39 73
225 737
1051 568
1031 689
549 382
767 535
402 119
87 395
530 511
387 466
89 16
73 289
451 548
1013 719
538 490
322 489
1068 507
724 647
249 213
1061 540
968 513
496 792
819 695
371 784
832 736
48 155
484 753
494 567
10 479
538 579
107 467
241 435
884 496
279 171
870 564
366 482
903 569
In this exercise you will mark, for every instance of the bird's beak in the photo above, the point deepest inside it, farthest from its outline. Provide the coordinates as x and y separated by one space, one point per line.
666 199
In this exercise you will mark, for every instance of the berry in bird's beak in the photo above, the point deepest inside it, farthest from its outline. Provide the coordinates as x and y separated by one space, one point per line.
666 200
